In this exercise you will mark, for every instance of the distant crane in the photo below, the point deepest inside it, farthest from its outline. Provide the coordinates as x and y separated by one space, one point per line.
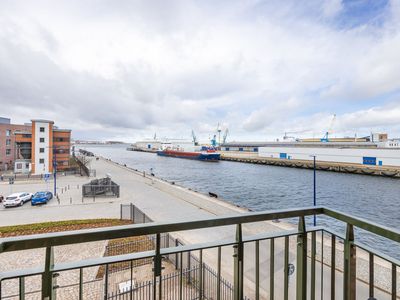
329 131
225 136
219 134
195 141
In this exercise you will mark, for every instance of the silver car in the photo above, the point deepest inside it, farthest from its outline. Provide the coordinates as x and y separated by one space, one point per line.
17 199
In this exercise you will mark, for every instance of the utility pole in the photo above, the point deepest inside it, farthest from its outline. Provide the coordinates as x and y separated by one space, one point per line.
315 190
55 169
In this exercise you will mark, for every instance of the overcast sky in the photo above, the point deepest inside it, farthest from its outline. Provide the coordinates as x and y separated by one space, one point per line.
127 69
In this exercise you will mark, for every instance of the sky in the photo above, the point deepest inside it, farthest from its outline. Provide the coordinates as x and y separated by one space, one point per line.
125 70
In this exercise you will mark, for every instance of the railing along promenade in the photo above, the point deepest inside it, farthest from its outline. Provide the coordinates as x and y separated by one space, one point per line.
307 261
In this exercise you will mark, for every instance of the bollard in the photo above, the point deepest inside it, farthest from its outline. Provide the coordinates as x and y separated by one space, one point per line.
68 186
144 174
70 200
82 199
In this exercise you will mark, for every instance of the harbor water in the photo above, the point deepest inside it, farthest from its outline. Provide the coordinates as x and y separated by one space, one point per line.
262 187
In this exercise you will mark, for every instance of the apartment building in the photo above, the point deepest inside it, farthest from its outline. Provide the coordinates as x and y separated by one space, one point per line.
34 148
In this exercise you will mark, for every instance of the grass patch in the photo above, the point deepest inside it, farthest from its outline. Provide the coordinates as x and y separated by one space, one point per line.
47 227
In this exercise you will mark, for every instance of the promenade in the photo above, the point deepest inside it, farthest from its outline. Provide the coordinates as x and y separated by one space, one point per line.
164 202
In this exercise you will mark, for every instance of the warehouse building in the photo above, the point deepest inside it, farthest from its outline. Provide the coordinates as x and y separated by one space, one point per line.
363 156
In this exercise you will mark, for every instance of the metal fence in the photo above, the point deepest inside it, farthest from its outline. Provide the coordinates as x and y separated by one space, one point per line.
327 263
103 187
186 261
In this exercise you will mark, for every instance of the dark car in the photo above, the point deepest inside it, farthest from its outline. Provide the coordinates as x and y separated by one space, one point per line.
41 198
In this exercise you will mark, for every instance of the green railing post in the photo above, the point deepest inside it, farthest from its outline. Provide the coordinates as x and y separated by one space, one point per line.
47 276
157 268
301 275
238 264
349 276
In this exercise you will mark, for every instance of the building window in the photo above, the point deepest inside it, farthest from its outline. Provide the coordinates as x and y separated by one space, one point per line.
41 129
8 132
41 150
41 140
19 166
41 161
8 142
8 152
27 165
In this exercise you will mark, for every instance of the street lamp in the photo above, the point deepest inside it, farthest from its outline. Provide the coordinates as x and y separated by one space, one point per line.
315 187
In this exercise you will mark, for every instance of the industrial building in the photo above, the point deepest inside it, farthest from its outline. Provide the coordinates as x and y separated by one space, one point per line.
363 156
34 148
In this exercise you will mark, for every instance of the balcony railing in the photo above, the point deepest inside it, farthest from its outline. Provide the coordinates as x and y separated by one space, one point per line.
303 263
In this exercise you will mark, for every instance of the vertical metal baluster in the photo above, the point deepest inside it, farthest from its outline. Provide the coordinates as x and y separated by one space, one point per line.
394 282
371 275
313 252
322 265
301 276
201 275
181 276
47 276
105 296
131 291
349 276
286 270
272 269
80 283
219 275
238 264
157 268
257 269
21 288
333 265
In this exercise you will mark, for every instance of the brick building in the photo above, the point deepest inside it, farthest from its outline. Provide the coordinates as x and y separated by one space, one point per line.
34 148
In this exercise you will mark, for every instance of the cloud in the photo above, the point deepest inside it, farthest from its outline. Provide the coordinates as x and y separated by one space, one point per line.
260 67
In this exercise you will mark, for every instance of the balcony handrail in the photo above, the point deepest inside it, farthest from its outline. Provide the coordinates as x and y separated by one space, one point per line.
97 234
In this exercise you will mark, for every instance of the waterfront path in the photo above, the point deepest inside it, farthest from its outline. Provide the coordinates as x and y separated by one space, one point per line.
164 202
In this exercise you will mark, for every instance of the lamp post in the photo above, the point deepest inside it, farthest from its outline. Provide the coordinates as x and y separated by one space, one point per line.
315 188
55 170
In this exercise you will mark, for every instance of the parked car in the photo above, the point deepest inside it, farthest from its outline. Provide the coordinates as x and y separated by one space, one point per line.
17 199
41 198
1 198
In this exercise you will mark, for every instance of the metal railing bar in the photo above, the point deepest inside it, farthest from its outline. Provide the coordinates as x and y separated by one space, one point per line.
106 233
322 265
313 253
20 273
394 282
367 225
286 270
365 247
333 266
257 269
272 269
101 261
371 275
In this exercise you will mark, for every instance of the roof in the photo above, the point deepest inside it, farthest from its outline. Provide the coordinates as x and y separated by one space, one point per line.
42 121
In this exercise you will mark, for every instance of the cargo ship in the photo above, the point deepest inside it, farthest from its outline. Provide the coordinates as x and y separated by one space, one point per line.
204 154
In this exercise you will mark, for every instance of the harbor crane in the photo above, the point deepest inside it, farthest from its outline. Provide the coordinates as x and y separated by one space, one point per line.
225 136
325 138
219 134
195 141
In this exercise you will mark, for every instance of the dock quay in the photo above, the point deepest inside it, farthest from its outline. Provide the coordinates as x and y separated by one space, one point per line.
212 226
253 158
